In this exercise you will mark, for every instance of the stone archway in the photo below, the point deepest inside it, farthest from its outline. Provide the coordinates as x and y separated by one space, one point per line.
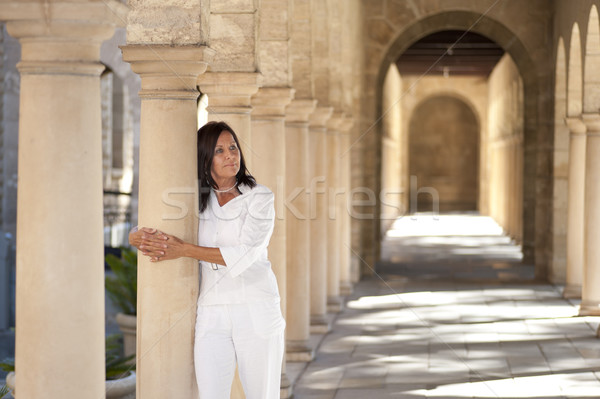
537 189
444 152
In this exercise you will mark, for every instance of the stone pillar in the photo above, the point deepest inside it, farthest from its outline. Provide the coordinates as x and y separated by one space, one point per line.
297 230
317 173
167 291
229 99
268 144
60 245
575 208
334 301
590 293
344 214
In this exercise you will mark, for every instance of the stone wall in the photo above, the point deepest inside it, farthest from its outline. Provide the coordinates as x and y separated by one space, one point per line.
504 147
462 94
443 134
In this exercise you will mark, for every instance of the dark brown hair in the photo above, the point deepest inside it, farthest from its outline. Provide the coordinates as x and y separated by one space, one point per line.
208 135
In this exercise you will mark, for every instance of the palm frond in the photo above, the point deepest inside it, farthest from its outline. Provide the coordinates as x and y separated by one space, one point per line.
4 391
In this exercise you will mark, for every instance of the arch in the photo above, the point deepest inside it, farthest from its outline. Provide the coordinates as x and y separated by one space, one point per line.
448 127
574 75
533 112
591 80
457 95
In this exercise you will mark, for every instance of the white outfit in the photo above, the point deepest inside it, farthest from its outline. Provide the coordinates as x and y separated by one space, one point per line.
238 316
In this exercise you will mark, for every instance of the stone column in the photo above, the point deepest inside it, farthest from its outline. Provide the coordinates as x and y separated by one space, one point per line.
60 245
229 95
317 173
334 301
297 230
590 293
268 143
575 208
344 215
167 291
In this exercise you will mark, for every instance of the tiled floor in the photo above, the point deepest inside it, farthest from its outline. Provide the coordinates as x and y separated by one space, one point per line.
454 314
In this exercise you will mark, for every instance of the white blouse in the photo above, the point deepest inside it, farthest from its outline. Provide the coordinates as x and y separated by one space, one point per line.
241 229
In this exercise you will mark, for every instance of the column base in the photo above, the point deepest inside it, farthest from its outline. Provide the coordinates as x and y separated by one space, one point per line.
319 324
589 309
334 304
285 391
298 351
346 288
572 291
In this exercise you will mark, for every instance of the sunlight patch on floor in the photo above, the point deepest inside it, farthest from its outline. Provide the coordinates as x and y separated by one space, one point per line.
444 225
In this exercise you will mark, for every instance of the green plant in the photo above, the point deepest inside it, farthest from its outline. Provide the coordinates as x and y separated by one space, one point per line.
4 391
117 366
122 286
7 364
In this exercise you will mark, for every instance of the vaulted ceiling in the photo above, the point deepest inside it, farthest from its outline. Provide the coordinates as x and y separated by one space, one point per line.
450 53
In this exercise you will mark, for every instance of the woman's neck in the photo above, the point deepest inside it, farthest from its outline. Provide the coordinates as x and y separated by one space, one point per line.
226 185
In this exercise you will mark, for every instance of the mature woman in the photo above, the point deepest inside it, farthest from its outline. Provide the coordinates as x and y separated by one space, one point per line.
238 317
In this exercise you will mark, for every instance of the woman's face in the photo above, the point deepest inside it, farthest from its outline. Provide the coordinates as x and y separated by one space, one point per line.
226 160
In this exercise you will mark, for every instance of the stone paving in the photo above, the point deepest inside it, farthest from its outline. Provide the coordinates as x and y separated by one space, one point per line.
454 314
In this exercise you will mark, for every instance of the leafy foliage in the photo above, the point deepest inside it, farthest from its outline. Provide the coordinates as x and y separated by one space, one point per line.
117 366
4 391
7 365
122 286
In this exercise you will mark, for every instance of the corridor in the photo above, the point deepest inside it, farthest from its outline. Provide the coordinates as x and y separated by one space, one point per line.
453 313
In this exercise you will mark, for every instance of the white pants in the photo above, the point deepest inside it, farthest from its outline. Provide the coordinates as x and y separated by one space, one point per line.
252 335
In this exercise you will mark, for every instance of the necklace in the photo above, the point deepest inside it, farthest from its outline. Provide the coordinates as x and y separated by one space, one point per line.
227 189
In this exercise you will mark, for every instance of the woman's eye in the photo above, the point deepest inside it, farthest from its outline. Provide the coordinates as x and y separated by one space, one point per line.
218 151
233 148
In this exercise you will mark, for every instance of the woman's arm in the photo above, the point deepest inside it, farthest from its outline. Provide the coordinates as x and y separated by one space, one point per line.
164 246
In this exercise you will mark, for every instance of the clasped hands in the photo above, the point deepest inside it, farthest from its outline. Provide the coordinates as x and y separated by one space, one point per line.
155 244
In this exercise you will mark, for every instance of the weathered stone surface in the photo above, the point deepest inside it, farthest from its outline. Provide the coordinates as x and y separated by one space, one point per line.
232 6
379 30
173 22
274 60
232 37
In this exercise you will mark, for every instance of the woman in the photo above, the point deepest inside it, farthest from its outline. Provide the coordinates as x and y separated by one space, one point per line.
238 315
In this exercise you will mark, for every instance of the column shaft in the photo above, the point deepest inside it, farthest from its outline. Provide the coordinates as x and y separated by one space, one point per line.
60 247
318 219
168 200
268 143
590 293
297 230
575 208
344 214
334 302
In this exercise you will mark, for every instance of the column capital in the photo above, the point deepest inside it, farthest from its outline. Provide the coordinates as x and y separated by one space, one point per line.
299 110
592 123
168 71
576 125
270 102
62 37
319 118
229 91
335 122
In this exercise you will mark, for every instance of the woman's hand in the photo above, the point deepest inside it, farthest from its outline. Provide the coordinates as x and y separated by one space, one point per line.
135 238
162 246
